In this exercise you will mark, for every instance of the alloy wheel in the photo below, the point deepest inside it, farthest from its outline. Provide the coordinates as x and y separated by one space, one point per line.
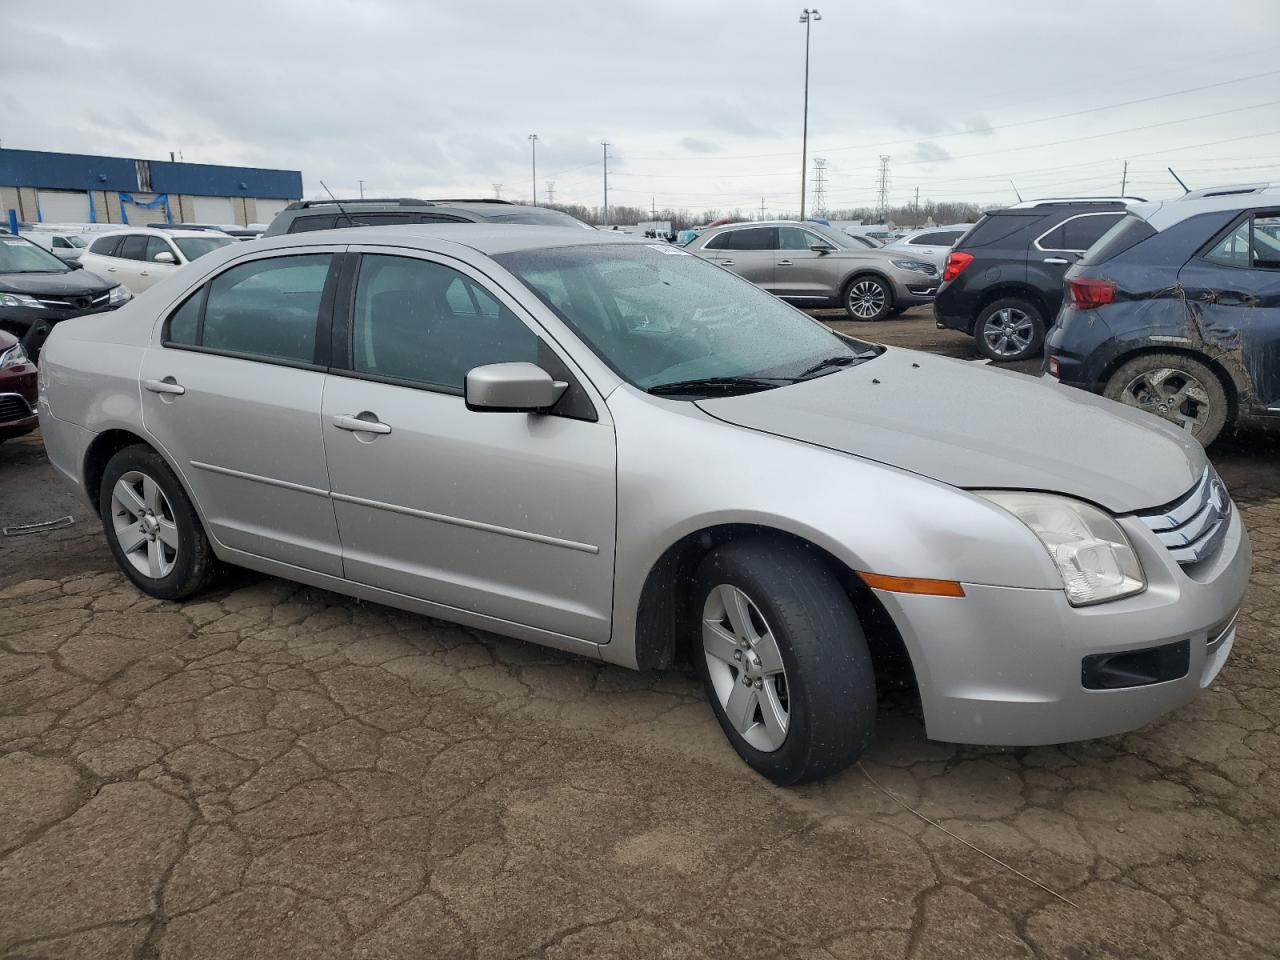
1173 394
144 525
1008 332
746 668
866 299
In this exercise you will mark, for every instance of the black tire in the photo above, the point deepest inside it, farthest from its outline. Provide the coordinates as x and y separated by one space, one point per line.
193 564
1020 311
867 298
829 680
1207 407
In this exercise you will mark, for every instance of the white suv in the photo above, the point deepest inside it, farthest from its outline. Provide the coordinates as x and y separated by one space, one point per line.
140 257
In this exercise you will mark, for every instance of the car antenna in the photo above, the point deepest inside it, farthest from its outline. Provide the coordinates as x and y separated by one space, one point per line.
341 208
1015 191
1179 179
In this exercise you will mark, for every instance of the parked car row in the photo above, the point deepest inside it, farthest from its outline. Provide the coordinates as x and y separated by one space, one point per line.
1171 307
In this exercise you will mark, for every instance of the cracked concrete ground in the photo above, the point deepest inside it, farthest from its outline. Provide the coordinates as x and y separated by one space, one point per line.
272 771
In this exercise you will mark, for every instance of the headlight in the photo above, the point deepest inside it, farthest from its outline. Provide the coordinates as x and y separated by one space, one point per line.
119 294
13 356
913 265
1091 552
19 300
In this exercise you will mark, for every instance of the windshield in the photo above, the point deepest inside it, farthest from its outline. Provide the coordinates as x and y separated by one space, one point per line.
193 247
75 241
658 316
544 218
22 256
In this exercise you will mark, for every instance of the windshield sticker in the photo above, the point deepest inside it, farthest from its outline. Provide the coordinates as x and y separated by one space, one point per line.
673 251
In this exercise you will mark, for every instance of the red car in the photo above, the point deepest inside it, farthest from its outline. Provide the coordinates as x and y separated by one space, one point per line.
17 389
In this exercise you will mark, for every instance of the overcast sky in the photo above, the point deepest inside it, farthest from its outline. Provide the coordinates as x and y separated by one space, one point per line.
700 99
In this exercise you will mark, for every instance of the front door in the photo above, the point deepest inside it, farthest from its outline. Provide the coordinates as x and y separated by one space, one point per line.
510 515
802 273
1236 289
232 389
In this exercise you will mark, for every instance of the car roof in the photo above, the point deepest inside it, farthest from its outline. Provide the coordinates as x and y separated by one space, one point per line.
150 232
489 239
1165 213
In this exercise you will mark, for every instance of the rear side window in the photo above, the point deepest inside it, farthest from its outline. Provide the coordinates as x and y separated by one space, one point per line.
719 242
1126 233
942 239
1079 233
1254 242
993 228
264 308
304 224
104 246
133 247
757 238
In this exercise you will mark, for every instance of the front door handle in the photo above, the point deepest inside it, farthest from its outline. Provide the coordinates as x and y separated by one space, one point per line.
144 274
358 424
1056 260
167 385
111 269
726 263
784 263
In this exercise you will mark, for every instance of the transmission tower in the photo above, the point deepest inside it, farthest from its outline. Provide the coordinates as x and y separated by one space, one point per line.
551 192
882 191
819 186
497 191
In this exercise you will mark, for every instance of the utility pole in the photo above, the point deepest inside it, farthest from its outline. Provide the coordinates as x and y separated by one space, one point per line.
533 147
819 186
917 217
605 145
497 191
762 208
551 192
808 17
653 209
361 182
1124 178
882 191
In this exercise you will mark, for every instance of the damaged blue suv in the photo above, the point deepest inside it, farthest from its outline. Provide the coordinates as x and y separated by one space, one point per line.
1176 310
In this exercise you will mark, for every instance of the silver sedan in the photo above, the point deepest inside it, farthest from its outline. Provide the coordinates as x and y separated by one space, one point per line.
614 448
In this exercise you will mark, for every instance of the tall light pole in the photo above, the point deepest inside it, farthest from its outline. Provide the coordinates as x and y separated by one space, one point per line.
808 17
533 146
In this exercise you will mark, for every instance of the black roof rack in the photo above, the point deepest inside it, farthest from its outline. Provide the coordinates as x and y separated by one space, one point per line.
472 200
401 201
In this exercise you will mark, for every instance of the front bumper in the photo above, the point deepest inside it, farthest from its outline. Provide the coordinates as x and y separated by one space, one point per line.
914 291
1002 665
32 324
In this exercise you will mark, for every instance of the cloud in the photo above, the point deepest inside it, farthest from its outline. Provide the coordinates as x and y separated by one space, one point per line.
695 145
930 152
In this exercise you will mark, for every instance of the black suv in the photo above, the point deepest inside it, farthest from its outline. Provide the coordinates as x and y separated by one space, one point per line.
1176 311
1002 283
330 214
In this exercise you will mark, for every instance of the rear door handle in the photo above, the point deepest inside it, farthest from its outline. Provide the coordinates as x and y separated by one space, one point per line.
1056 260
726 263
167 385
784 263
111 269
359 425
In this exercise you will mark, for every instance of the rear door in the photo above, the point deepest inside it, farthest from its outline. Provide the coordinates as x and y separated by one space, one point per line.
749 252
1059 247
1235 285
129 262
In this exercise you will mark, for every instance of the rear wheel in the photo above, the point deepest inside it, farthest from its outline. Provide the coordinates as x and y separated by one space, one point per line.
1179 388
1009 330
151 526
868 298
783 659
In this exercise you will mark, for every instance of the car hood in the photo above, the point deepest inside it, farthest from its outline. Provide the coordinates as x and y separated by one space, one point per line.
973 426
54 284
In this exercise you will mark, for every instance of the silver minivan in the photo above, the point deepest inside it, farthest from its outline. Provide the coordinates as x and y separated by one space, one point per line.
614 448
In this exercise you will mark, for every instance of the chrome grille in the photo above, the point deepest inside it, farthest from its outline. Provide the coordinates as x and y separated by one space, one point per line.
77 302
1192 528
13 407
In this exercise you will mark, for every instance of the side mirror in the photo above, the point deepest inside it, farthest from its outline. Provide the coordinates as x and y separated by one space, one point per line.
74 264
164 256
511 388
821 247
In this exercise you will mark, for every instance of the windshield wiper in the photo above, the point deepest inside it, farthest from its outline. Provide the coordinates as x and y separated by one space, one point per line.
831 363
720 385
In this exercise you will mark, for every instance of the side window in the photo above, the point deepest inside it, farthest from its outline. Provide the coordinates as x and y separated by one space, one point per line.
156 245
1233 249
134 247
1053 239
1083 232
719 242
1253 243
184 323
267 308
942 239
423 322
60 244
755 238
304 224
104 246
793 238
1266 242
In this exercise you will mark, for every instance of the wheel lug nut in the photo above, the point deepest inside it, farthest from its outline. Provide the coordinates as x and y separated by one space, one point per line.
759 684
737 654
746 681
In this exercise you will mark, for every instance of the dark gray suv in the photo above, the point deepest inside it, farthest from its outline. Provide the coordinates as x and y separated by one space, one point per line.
304 215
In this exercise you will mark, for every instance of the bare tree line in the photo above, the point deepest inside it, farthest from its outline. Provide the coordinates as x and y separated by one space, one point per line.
907 215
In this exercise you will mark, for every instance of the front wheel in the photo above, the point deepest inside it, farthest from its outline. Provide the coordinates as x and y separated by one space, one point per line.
1174 386
868 298
1009 330
151 526
783 659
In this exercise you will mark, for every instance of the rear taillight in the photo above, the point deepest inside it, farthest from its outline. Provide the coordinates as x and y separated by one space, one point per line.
1054 368
956 262
1085 293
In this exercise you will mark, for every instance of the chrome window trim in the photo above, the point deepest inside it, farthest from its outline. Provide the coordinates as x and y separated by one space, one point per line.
1098 213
